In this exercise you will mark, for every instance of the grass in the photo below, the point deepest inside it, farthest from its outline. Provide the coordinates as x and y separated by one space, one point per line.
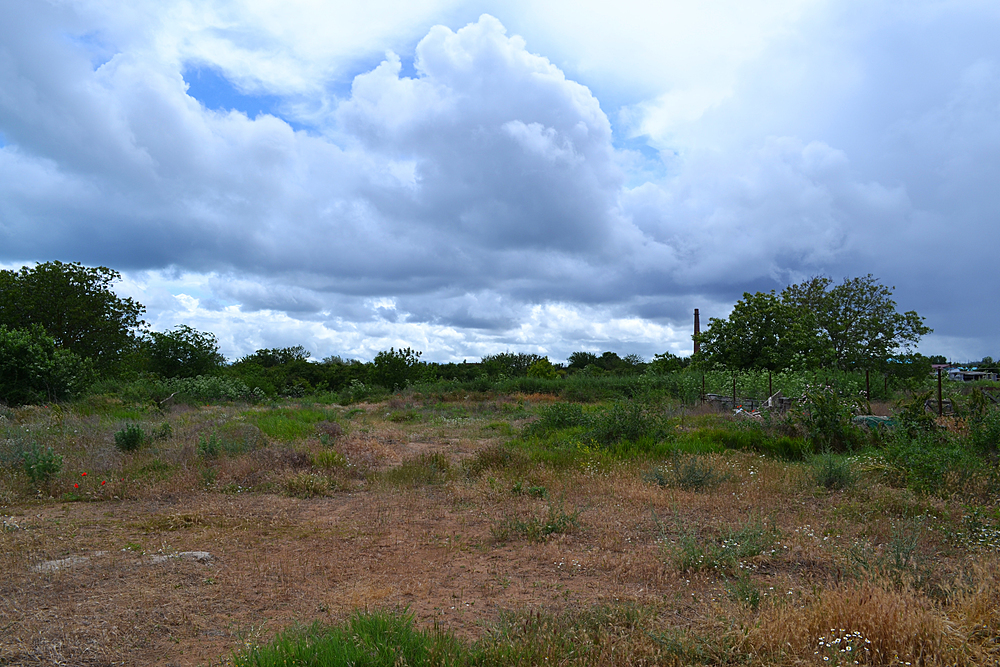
489 530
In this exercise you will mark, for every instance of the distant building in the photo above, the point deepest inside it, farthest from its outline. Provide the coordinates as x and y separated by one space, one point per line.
970 375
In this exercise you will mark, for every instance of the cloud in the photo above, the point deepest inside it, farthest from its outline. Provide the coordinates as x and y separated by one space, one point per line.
468 195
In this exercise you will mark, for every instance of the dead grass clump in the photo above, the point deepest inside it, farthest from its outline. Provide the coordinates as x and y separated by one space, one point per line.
977 604
175 521
306 485
864 622
332 430
364 452
423 470
495 458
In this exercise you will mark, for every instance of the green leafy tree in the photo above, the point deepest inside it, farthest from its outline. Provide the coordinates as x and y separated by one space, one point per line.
76 306
396 368
858 320
668 362
33 369
813 324
508 364
543 368
760 332
580 360
280 356
183 352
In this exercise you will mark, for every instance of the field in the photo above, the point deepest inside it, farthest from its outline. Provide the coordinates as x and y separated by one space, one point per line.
496 529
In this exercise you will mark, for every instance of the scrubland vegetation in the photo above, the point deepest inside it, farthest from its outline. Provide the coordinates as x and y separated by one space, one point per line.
161 505
495 528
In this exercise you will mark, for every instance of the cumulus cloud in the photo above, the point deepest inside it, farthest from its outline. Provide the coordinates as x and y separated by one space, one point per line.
469 196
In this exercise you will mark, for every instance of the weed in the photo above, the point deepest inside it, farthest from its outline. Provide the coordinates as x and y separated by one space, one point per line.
42 465
690 473
329 458
130 438
164 432
744 590
833 472
307 485
371 638
557 521
426 469
735 545
495 458
210 447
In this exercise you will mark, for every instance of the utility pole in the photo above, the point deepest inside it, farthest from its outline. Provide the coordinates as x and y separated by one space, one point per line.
697 330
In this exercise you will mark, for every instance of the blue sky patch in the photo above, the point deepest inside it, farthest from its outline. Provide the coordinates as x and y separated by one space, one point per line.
210 87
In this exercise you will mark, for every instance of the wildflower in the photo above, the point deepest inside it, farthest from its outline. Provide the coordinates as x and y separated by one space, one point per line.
83 474
103 482
76 486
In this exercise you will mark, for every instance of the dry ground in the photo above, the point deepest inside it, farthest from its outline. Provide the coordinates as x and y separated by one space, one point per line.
446 552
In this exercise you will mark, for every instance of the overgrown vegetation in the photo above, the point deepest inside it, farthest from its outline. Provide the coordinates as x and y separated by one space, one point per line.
528 512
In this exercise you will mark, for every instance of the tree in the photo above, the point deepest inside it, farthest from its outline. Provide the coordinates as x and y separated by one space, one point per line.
182 352
762 332
858 320
668 362
852 325
280 356
543 368
33 369
396 368
76 307
508 364
580 360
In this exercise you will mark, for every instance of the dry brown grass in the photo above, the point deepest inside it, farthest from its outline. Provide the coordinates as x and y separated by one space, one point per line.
313 542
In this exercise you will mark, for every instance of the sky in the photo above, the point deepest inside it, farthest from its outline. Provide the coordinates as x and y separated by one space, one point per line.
466 178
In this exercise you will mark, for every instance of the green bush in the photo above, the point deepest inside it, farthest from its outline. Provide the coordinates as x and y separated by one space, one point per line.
624 421
826 420
833 472
34 370
555 417
41 465
130 438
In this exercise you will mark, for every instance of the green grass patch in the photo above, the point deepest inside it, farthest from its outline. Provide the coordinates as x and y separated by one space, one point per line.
369 639
289 424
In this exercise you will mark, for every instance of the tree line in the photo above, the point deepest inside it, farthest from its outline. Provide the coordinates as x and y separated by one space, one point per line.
62 328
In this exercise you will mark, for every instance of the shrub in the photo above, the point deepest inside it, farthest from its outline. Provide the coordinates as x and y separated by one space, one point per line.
826 420
41 465
623 421
33 369
833 472
557 416
130 438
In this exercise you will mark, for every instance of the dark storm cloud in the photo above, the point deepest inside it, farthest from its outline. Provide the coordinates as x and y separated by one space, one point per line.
484 185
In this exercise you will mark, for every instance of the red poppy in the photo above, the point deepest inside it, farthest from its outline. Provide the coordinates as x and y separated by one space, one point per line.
76 486
103 482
